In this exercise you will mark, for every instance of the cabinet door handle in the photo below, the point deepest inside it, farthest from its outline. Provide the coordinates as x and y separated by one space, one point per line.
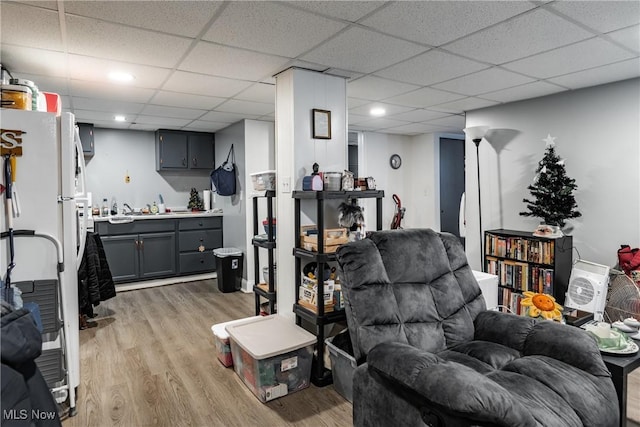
142 245
195 162
135 242
184 162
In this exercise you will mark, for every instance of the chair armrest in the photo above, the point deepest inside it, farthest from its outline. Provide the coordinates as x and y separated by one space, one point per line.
446 384
529 336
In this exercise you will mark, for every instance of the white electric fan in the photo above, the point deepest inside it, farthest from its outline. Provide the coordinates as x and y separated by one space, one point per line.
587 290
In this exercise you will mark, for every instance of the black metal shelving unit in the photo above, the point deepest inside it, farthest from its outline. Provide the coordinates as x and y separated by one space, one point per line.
270 246
319 375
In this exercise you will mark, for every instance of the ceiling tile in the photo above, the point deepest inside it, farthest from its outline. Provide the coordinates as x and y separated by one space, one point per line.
376 88
629 37
463 105
259 92
221 117
603 16
43 27
525 91
361 50
199 84
358 118
110 124
343 73
484 81
439 22
222 61
175 112
354 102
161 122
424 97
97 70
382 123
91 116
53 5
609 73
454 121
390 109
34 61
204 126
416 128
267 27
525 35
91 37
149 127
361 128
48 84
186 100
185 18
431 67
350 11
418 115
246 107
576 57
109 106
109 91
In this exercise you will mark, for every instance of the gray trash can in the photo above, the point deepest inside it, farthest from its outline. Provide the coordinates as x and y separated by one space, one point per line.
229 268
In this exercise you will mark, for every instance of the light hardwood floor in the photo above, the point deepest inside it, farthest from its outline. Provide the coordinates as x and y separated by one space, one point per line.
151 362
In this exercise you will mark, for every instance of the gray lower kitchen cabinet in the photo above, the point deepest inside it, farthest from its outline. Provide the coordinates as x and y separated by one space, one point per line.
148 249
141 256
198 237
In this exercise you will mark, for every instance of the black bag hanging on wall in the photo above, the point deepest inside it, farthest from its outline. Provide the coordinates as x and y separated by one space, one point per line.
223 179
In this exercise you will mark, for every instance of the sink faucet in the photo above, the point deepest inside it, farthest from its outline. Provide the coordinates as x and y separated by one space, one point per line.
125 205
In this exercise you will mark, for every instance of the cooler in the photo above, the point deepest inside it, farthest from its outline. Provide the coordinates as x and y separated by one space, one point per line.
272 356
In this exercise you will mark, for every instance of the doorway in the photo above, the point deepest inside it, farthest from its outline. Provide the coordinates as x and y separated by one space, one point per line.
452 177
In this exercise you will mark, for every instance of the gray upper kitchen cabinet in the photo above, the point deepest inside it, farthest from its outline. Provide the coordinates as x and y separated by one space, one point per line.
86 139
179 150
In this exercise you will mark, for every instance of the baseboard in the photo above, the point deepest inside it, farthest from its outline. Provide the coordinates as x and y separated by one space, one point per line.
131 286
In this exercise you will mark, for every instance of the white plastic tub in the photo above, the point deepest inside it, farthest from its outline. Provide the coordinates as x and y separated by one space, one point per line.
272 356
264 181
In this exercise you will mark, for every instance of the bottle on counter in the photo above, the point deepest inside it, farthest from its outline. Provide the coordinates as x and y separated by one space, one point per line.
105 208
114 206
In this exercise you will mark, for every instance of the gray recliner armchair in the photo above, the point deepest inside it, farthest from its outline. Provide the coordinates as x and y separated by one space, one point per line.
429 352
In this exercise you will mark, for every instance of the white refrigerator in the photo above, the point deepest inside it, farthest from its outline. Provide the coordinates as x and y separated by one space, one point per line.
50 191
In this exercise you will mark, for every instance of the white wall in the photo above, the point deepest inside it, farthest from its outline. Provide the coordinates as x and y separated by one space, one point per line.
598 135
118 152
297 93
260 157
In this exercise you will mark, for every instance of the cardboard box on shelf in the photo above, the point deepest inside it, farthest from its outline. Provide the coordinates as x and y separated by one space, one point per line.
333 238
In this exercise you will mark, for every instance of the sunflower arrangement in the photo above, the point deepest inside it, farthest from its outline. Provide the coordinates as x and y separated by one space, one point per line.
541 305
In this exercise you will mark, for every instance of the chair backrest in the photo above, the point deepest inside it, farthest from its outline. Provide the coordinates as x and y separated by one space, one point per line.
412 286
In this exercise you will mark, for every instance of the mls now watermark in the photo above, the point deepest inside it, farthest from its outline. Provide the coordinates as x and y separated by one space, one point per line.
25 414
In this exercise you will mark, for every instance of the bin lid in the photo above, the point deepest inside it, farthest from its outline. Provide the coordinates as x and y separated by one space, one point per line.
224 252
220 331
270 336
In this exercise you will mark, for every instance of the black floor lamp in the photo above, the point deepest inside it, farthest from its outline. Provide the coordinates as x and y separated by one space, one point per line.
476 133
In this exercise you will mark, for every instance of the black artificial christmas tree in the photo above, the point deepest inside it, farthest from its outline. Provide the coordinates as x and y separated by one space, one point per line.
195 202
552 190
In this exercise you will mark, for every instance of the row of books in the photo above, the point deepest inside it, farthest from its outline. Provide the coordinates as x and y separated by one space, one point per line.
520 275
521 249
511 300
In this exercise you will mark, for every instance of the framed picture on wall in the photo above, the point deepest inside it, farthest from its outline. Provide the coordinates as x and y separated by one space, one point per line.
321 124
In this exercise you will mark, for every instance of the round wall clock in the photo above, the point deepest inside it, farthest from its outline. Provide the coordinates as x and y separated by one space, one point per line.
395 161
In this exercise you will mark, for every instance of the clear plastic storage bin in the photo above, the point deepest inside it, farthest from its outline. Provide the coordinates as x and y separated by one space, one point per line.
272 356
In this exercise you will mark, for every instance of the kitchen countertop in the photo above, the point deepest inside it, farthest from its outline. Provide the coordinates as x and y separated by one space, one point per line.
115 219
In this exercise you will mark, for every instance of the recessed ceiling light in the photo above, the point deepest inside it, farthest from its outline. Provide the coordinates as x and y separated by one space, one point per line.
120 77
120 118
377 111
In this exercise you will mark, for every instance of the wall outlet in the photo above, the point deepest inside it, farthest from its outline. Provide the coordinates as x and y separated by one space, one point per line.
286 184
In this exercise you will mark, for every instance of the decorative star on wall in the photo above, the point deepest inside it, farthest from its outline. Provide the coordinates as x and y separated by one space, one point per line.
550 140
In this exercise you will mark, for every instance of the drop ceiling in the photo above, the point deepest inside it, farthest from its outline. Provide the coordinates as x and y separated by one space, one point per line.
202 65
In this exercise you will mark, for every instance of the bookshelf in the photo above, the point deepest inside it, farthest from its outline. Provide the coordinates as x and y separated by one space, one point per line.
524 262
